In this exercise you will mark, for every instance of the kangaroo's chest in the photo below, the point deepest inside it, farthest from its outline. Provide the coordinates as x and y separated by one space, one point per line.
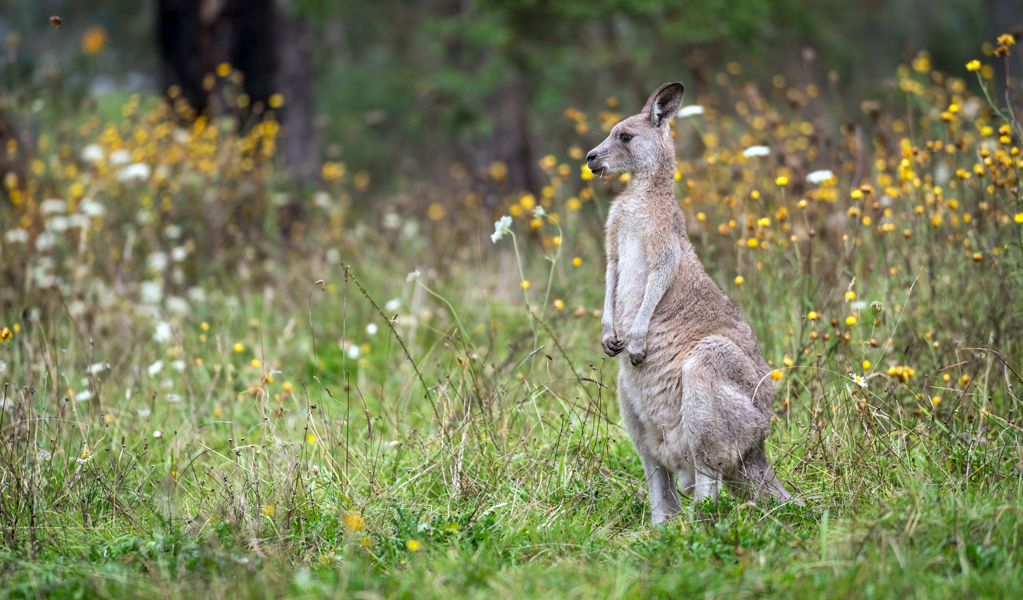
632 271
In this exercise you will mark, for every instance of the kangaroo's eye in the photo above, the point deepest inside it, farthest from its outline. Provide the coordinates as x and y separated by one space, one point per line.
624 137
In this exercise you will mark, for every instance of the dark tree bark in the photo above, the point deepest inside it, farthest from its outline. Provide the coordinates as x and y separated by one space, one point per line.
260 38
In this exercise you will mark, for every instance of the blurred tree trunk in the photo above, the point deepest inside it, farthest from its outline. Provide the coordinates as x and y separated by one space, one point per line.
260 38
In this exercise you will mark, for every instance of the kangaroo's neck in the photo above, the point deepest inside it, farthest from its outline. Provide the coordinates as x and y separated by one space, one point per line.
656 182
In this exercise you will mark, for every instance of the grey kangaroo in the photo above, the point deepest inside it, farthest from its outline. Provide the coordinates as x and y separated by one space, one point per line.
694 388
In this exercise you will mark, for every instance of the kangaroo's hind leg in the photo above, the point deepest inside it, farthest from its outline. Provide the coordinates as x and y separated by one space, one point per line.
664 501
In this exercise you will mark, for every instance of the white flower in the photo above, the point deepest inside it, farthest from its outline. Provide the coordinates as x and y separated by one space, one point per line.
178 365
158 434
691 110
16 236
539 212
179 254
92 153
144 412
354 351
155 368
501 227
372 329
43 455
98 367
57 224
173 398
44 241
173 232
151 292
819 177
163 332
134 172
414 275
756 151
77 221
392 305
51 206
859 381
119 157
91 208
83 395
177 305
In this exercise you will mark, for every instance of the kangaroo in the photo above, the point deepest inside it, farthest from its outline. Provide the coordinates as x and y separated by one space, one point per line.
693 385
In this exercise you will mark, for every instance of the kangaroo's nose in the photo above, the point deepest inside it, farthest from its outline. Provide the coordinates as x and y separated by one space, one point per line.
591 157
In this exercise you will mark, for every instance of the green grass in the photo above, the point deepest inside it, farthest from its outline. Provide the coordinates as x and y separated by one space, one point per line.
270 444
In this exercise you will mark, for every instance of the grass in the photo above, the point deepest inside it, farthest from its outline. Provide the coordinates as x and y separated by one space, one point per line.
197 403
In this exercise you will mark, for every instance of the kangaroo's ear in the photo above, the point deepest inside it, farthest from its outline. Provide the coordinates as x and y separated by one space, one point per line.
664 103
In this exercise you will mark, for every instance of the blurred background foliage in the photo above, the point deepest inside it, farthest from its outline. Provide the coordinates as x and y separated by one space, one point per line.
404 89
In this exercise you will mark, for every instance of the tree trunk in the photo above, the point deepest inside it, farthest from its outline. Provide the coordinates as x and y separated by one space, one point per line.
260 38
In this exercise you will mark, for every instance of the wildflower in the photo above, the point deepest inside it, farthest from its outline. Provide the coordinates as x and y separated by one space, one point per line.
850 320
268 510
134 172
977 257
691 110
1018 218
163 332
935 400
850 295
354 351
859 381
311 439
973 65
777 374
392 305
812 315
95 39
559 304
157 434
865 365
781 181
6 335
255 363
83 396
155 368
756 151
525 284
372 329
53 206
876 307
501 227
353 521
819 177
901 372
287 387
412 545
739 279
1006 39
239 348
414 275
965 379
578 261
539 212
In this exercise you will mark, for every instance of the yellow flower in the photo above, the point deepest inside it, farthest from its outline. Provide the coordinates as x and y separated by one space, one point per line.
936 400
624 177
255 363
850 320
559 304
353 521
239 347
268 510
577 261
275 101
965 379
973 65
977 256
739 279
782 180
94 40
764 222
777 374
866 365
412 545
525 284
287 387
5 335
753 242
850 296
224 69
311 439
1018 218
205 326
586 174
1006 39
812 315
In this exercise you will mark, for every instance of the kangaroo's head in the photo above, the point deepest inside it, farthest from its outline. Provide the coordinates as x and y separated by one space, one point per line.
641 143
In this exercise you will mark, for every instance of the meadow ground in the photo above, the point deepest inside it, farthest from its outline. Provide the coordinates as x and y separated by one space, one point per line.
204 395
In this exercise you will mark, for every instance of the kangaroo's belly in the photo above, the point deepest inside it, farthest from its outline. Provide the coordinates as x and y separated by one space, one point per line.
632 276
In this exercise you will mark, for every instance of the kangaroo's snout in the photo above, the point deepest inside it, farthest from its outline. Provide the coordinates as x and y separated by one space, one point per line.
591 162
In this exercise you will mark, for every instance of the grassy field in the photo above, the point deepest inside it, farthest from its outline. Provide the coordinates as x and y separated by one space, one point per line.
208 391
